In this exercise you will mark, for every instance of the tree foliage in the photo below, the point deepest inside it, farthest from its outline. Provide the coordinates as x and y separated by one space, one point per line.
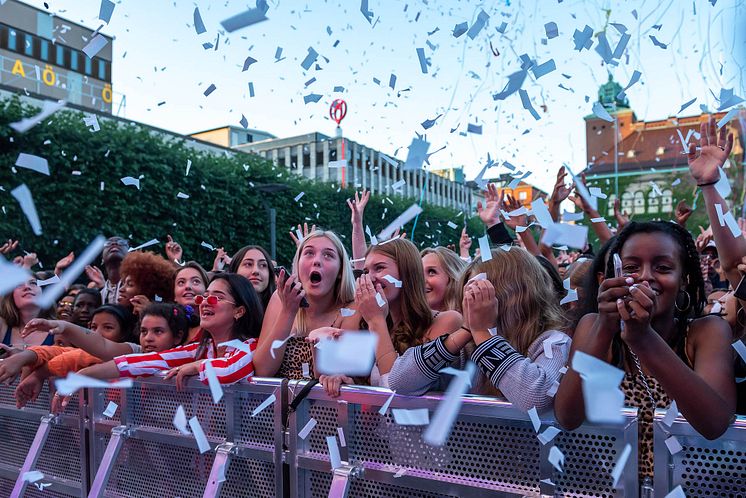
84 195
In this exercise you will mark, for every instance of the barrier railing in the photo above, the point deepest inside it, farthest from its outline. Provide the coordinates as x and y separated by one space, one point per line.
701 467
492 450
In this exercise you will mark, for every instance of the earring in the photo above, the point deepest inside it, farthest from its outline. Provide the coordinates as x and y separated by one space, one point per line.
688 302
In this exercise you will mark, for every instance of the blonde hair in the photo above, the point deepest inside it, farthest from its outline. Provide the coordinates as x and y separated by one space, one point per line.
344 287
526 303
453 267
417 317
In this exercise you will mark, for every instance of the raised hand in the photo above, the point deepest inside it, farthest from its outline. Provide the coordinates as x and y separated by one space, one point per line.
64 263
30 260
713 151
139 303
290 291
95 275
464 244
560 191
366 302
480 305
8 246
357 205
221 259
514 222
41 325
682 213
490 212
304 232
703 239
622 217
174 252
637 312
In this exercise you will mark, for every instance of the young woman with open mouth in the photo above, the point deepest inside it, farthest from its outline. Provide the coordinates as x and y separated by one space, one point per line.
322 274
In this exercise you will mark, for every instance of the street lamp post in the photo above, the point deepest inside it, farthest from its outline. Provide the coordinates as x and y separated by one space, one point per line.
271 188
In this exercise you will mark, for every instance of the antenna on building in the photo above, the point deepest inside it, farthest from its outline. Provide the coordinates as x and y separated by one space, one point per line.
338 111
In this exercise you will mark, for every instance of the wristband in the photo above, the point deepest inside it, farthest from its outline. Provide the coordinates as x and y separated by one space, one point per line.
707 184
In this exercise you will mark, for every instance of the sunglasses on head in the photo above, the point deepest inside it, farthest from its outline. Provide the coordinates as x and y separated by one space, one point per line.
211 300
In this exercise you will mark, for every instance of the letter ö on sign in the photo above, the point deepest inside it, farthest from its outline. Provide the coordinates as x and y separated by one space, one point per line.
18 68
48 76
106 93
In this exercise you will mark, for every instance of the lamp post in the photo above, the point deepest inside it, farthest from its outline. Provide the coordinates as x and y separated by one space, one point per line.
271 188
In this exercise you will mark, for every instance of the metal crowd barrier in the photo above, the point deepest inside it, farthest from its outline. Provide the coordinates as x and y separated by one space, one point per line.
702 467
492 451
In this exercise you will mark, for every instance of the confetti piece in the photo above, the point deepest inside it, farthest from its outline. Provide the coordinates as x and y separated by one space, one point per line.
658 43
601 394
306 370
515 81
673 445
460 29
303 434
182 195
365 11
48 108
452 225
482 19
423 60
298 197
32 162
237 344
209 90
334 460
247 18
400 472
544 69
541 212
353 353
130 181
502 27
677 492
551 30
484 248
199 26
556 458
199 435
621 462
310 59
556 338
601 112
634 79
740 348
55 291
149 243
33 476
535 421
572 296
526 101
341 434
276 344
345 312
445 414
249 61
548 434
94 46
207 246
687 104
583 39
212 380
726 119
400 221
251 89
48 281
312 97
74 381
417 416
106 10
476 129
384 408
264 404
392 280
111 409
22 194
92 120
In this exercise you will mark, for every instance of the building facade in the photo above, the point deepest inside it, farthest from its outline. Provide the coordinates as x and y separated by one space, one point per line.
315 156
232 136
645 162
42 54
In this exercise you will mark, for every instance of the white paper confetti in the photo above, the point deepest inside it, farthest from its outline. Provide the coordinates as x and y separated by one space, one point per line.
238 344
380 300
303 434
149 243
33 476
111 409
445 414
621 462
671 413
535 420
48 108
22 194
417 416
341 434
212 380
345 312
392 280
94 46
199 435
384 408
400 221
180 421
32 162
677 492
548 434
353 353
129 181
556 458
484 248
334 459
68 277
555 338
264 404
673 445
74 381
276 344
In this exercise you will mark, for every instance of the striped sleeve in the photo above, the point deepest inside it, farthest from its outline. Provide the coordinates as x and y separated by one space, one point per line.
234 367
136 365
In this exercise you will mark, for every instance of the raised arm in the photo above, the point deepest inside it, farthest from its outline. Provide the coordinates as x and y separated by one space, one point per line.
357 209
705 169
106 370
489 213
602 229
559 194
83 338
277 325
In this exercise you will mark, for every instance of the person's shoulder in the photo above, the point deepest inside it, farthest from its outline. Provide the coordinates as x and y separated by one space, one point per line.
707 327
448 316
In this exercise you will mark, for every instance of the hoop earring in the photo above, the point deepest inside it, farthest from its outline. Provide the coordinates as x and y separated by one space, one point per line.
688 302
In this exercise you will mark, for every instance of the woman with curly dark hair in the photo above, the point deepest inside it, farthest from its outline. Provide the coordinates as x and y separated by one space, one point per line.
144 276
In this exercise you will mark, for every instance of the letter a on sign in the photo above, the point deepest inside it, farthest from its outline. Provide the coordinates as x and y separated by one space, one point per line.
18 68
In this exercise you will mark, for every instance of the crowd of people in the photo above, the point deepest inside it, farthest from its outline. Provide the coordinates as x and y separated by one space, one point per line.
667 319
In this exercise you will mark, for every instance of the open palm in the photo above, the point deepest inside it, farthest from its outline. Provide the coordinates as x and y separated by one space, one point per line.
713 151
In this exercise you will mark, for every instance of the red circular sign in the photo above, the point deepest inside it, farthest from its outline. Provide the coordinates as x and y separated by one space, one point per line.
338 110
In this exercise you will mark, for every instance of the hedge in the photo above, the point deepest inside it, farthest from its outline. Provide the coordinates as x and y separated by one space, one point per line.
223 209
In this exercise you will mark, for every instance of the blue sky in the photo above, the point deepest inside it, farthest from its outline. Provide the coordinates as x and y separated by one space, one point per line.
159 57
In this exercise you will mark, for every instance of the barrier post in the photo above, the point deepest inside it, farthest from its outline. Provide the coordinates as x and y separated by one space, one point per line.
118 435
33 454
219 467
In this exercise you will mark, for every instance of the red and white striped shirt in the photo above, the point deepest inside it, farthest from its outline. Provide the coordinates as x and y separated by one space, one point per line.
233 366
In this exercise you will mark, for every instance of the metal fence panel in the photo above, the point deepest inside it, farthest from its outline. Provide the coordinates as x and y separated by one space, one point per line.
703 468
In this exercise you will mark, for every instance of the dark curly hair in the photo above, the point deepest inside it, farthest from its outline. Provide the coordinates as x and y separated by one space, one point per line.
152 274
176 315
686 311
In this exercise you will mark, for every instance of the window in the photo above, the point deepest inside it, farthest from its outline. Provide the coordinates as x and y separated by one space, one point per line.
653 202
44 46
610 204
639 203
59 58
101 69
12 40
660 151
667 201
88 66
74 56
28 44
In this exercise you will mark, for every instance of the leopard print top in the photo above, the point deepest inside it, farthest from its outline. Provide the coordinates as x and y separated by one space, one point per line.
297 352
636 395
